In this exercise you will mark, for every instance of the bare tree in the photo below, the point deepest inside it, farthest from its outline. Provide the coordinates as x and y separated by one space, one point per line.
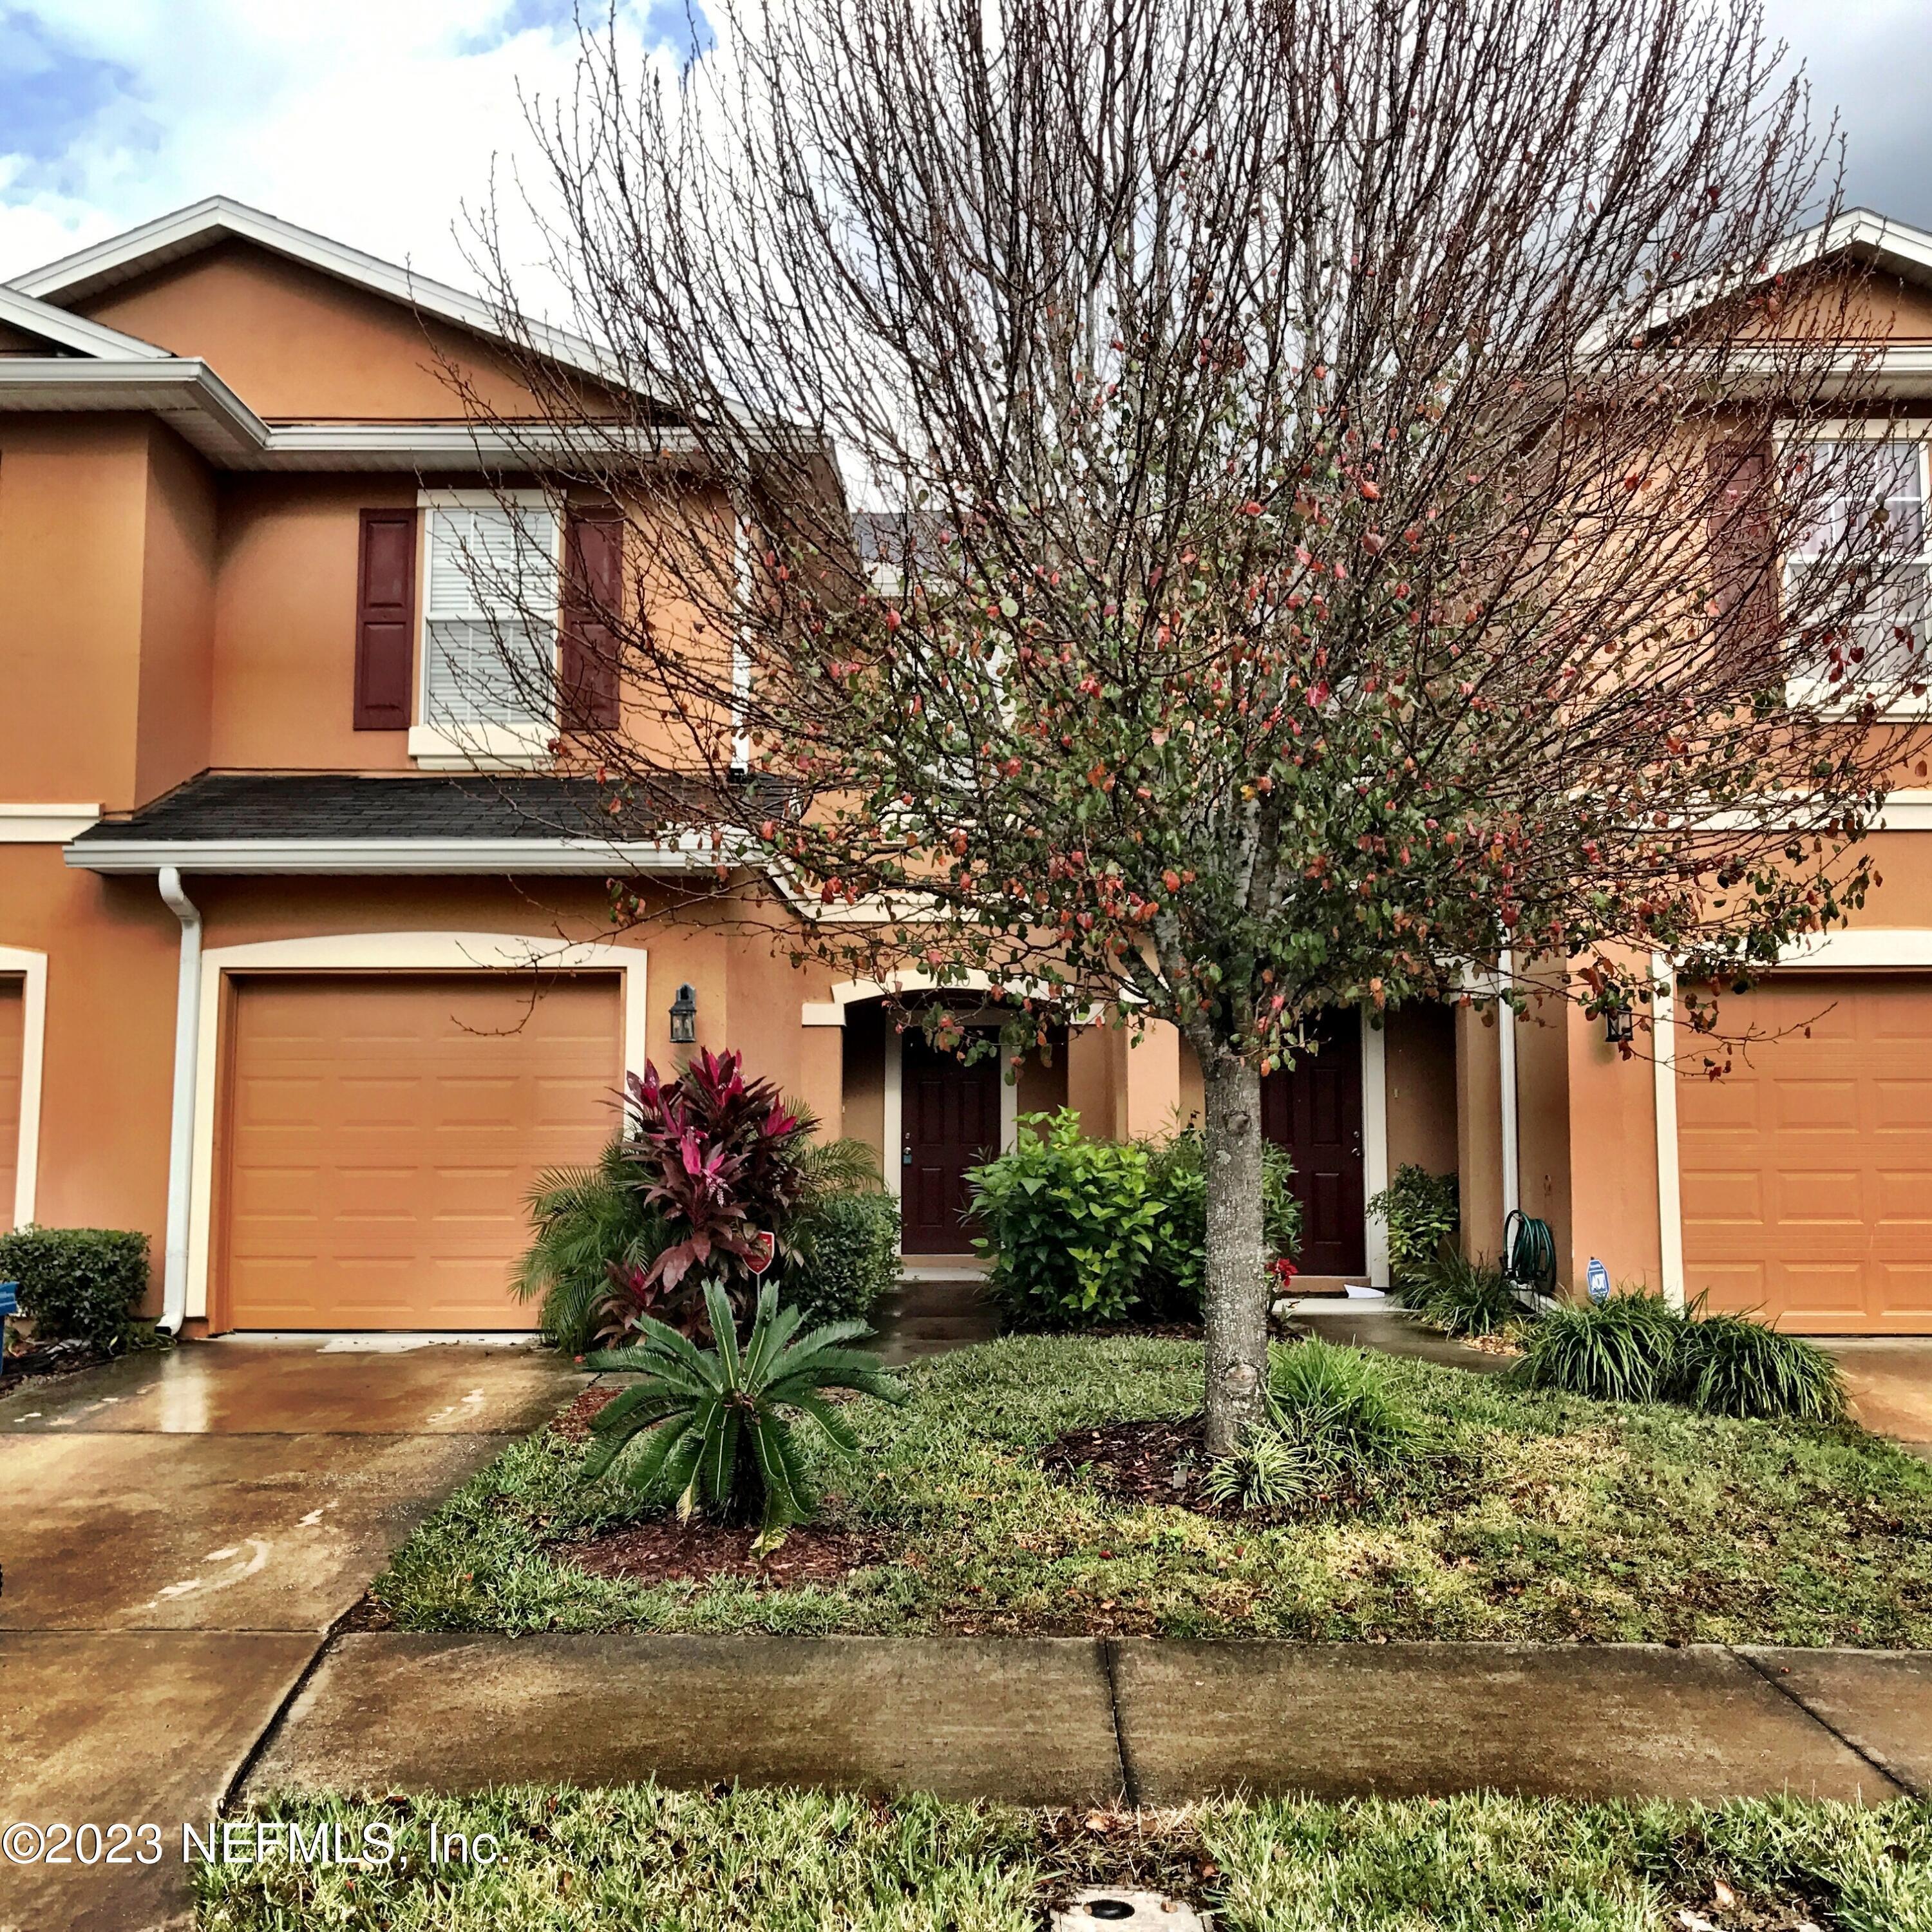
1362 519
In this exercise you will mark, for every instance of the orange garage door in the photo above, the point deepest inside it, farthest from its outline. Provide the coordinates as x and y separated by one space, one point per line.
12 1038
1807 1171
382 1132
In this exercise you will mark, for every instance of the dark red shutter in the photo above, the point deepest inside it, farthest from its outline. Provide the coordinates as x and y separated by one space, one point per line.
593 594
385 610
1744 562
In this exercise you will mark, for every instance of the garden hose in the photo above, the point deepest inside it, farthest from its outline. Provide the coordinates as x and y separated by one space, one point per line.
1532 1252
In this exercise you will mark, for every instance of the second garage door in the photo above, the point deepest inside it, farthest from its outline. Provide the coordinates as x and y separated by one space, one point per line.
382 1134
1806 1172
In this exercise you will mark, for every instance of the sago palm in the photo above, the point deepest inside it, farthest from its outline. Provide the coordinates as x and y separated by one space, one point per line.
717 1435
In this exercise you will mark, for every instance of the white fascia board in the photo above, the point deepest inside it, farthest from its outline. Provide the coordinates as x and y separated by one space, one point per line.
183 389
73 331
426 447
424 856
187 230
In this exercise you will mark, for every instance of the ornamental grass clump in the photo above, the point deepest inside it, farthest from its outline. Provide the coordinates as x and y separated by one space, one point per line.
1636 1347
715 1434
1456 1296
1332 1434
1733 1365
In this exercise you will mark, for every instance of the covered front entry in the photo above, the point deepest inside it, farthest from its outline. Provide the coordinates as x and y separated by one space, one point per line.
382 1131
950 1122
1806 1171
1314 1109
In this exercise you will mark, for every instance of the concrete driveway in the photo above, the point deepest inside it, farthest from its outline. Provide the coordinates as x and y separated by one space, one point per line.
178 1533
1890 1380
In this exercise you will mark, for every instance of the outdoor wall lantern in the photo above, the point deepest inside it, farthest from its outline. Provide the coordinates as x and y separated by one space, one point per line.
684 1018
1619 1026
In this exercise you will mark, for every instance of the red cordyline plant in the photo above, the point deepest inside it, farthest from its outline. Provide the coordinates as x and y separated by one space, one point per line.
1369 518
717 1156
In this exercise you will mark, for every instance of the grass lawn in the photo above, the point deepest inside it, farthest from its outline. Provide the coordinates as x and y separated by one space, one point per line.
1536 1517
642 1856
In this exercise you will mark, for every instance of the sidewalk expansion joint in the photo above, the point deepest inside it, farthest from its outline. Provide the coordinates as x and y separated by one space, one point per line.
278 1716
1891 1774
1110 1663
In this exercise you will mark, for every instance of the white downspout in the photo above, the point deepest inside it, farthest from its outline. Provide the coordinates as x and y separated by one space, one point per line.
180 1137
1506 1057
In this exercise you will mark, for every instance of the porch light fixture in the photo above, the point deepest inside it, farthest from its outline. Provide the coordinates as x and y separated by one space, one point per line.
684 1018
1619 1026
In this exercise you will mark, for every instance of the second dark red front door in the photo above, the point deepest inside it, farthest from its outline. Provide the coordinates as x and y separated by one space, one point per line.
950 1123
1315 1111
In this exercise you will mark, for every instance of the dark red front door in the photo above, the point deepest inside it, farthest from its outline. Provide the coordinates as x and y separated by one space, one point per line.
949 1122
1315 1111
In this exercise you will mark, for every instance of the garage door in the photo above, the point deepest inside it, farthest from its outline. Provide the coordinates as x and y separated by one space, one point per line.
12 1038
382 1132
1807 1171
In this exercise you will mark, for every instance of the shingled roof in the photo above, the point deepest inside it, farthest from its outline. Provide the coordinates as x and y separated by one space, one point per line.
311 821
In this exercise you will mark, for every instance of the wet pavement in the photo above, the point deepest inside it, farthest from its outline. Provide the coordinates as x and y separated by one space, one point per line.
179 1531
1890 1380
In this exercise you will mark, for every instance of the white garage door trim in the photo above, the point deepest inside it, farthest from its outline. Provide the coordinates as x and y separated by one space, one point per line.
376 953
1870 949
32 968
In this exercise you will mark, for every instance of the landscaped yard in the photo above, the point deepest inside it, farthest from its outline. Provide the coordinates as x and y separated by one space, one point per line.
1528 1516
793 1862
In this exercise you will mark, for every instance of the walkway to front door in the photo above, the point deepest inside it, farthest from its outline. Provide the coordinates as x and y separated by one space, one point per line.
1315 1111
949 1122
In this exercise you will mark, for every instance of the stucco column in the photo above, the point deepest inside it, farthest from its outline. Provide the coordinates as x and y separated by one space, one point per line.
1479 1131
1096 1080
1153 1080
821 1076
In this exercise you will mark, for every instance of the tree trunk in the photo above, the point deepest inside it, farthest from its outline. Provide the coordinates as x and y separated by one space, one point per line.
1235 1306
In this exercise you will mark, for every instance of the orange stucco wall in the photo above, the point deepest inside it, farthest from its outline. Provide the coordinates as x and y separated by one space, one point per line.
295 344
1419 1062
73 506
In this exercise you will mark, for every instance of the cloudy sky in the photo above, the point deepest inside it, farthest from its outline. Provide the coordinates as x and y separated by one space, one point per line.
373 120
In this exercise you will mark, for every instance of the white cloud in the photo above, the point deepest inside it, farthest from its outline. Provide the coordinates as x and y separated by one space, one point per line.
371 120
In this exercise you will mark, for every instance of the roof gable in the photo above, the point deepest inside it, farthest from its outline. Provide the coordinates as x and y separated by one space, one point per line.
298 345
80 280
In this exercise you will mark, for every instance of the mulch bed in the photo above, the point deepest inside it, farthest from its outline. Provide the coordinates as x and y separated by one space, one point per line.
670 1552
1139 1462
574 1424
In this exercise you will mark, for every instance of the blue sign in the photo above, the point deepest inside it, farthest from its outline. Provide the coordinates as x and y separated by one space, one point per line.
1600 1280
10 1297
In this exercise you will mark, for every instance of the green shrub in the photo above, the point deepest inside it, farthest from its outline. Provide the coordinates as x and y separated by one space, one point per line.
1424 1216
78 1284
1456 1296
587 1221
1070 1224
1176 1272
845 1254
1732 1365
716 1434
596 1235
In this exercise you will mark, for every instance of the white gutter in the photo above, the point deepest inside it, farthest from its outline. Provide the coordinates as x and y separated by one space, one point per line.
1506 1058
425 856
181 1135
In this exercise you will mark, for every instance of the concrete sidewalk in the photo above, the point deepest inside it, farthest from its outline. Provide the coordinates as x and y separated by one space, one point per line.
1074 1722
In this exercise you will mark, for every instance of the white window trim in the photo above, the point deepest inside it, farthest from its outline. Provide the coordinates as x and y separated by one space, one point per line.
1375 1143
1844 695
32 966
376 952
1865 949
476 746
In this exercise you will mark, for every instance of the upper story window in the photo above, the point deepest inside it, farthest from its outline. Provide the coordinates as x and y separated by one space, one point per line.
1884 489
487 691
